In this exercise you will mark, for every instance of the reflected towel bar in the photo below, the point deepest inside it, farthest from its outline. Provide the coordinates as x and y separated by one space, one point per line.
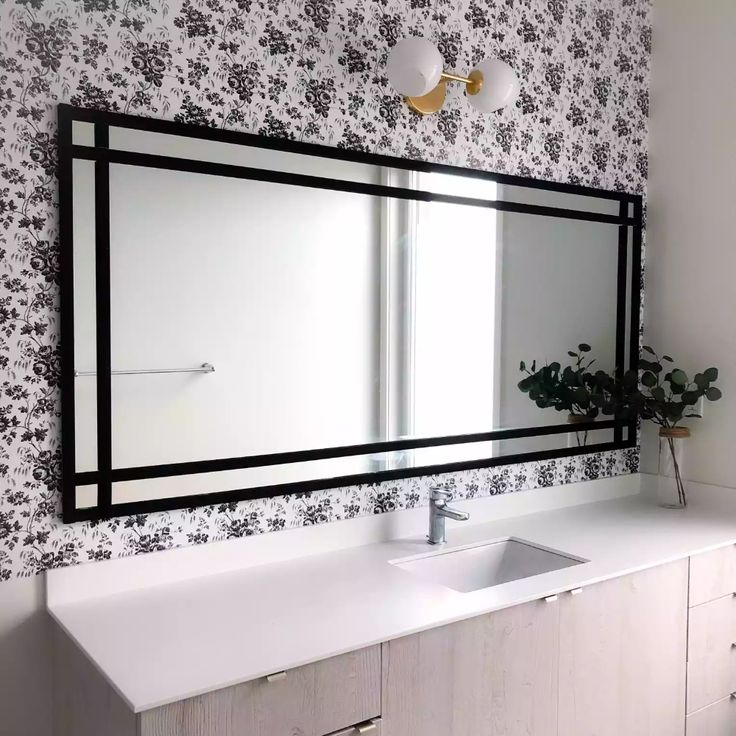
204 368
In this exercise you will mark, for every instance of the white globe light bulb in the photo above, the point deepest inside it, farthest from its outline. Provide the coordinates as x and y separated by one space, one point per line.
414 66
500 86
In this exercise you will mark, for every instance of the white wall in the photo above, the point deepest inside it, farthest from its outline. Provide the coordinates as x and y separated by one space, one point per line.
25 659
691 235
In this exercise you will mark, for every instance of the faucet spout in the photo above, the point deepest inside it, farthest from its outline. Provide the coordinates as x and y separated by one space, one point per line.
453 514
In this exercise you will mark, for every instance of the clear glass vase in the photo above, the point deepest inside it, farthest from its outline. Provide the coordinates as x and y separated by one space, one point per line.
670 482
577 439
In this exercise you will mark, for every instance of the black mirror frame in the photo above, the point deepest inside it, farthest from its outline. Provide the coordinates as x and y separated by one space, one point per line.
630 216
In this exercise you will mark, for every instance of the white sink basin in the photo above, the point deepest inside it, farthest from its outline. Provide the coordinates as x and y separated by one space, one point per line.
487 564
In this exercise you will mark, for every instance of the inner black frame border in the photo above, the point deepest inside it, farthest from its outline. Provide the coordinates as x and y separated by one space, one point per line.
102 156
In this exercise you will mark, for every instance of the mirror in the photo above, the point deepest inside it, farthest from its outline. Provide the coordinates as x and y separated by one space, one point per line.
251 317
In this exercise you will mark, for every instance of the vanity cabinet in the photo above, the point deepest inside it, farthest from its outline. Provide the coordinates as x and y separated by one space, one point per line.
606 660
493 675
622 654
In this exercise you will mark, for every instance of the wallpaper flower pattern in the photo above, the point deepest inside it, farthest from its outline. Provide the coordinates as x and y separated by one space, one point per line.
305 69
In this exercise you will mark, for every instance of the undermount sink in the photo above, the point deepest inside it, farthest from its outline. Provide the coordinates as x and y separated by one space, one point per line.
486 564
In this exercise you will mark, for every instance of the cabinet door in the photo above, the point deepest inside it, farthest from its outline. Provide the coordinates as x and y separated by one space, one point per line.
493 675
622 655
718 719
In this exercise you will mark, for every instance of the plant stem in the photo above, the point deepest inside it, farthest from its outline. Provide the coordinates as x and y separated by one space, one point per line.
678 476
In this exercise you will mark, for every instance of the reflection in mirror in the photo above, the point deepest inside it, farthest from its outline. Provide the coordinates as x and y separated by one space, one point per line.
347 314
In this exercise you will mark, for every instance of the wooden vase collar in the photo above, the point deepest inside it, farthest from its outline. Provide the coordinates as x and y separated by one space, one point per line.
578 418
678 433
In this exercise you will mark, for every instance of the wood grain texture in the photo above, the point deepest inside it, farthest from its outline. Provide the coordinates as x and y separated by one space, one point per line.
347 689
310 701
84 703
718 719
494 675
711 658
623 654
712 575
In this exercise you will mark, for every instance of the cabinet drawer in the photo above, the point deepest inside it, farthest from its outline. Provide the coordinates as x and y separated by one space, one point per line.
367 728
711 655
313 700
718 719
712 575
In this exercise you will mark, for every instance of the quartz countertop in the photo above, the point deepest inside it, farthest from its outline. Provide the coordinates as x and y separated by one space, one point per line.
167 642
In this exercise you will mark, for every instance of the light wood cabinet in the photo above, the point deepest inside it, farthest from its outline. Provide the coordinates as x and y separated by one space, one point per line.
712 575
718 719
622 655
493 675
711 657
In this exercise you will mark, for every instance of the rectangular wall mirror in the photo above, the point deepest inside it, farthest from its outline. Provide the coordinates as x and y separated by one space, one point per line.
245 317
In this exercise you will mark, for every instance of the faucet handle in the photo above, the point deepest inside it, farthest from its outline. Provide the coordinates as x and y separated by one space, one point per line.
440 494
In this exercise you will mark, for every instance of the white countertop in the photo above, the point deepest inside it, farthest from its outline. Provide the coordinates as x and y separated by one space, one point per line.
168 642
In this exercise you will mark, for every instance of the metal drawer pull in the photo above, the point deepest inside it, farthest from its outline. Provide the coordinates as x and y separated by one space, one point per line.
367 727
550 599
576 591
276 676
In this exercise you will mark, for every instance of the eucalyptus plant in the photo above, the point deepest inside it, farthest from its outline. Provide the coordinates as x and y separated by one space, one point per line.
573 389
665 394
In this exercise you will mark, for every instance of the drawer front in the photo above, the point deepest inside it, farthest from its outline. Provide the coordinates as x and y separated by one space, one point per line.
718 719
367 728
711 658
347 690
712 575
313 700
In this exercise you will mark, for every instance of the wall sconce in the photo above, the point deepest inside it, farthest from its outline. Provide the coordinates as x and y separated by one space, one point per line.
415 69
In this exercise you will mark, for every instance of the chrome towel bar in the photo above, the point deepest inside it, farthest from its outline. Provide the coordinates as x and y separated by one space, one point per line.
204 368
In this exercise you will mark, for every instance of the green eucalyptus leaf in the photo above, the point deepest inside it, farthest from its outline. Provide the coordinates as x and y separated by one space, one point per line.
667 358
522 366
584 347
690 397
711 374
658 394
713 394
648 349
648 379
678 376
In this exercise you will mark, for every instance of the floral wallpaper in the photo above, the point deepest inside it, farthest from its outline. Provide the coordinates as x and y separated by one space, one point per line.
311 70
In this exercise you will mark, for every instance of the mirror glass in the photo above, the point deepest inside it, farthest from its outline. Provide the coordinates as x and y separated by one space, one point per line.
250 317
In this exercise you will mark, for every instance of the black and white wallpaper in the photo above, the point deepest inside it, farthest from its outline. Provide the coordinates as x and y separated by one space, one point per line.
310 70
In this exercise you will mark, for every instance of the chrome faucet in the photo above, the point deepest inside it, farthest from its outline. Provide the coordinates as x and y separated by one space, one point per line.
438 512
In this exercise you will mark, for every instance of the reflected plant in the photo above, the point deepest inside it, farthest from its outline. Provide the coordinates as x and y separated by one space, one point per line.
574 389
